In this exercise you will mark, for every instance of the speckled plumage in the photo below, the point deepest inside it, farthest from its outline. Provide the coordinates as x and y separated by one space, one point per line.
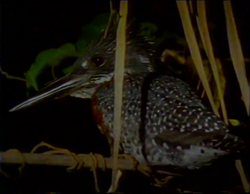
164 121
178 130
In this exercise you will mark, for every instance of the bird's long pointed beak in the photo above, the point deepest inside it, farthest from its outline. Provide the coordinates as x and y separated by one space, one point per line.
66 84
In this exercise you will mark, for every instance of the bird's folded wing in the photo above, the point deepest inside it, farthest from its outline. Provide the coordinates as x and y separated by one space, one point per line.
216 139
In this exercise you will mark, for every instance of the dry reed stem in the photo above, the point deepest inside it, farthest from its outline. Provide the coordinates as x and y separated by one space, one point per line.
204 32
237 54
118 79
194 50
240 169
222 79
118 176
240 71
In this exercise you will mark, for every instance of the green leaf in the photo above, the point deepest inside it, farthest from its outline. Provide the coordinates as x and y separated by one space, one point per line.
31 80
66 50
50 57
36 68
42 59
81 44
69 47
68 69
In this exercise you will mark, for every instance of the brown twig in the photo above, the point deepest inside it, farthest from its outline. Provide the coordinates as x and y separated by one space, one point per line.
67 161
11 76
112 11
62 160
63 157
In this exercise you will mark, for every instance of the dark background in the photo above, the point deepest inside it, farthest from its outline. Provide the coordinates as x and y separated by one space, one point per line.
27 28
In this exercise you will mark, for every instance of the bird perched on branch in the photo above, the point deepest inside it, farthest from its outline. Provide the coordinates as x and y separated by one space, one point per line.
163 120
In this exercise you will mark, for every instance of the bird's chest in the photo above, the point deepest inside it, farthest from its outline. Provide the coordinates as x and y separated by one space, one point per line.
103 110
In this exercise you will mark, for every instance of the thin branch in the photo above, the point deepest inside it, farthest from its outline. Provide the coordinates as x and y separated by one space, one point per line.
112 11
11 76
63 160
25 159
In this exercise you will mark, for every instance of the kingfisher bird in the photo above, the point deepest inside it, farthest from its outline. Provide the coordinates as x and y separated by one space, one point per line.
164 122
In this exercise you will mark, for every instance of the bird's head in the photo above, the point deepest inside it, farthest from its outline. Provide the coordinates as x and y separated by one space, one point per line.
96 66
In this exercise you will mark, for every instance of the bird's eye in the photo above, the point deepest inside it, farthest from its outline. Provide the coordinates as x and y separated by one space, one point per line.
97 60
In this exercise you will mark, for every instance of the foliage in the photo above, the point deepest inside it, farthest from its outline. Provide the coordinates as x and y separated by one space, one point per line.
52 57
